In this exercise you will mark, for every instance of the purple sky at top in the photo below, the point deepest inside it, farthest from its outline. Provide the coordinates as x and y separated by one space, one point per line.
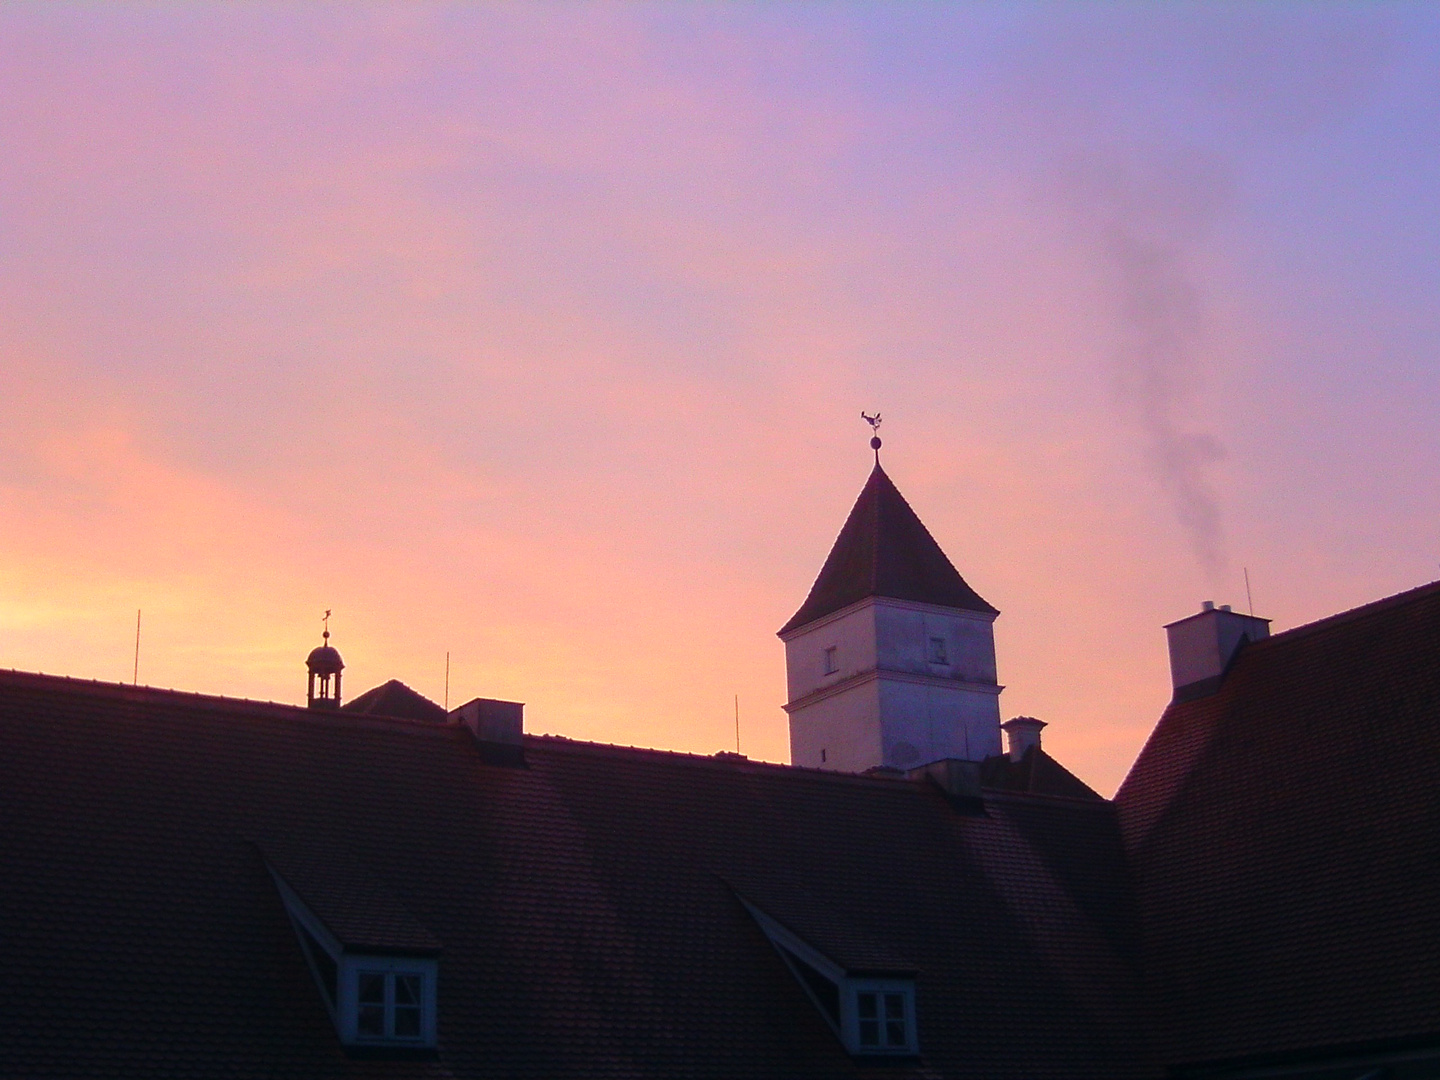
539 334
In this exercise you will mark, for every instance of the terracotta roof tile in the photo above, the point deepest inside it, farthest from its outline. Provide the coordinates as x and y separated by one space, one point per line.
1282 834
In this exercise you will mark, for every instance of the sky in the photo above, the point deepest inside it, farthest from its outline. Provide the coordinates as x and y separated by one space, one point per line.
538 335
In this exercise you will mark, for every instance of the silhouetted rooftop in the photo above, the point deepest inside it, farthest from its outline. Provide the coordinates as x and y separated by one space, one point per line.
394 698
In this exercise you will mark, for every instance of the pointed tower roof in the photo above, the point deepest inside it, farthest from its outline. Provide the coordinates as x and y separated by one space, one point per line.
884 549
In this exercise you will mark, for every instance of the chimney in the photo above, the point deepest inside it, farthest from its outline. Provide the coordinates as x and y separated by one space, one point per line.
1202 646
498 727
958 779
1024 734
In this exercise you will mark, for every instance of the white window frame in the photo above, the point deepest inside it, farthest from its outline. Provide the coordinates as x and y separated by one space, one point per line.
850 1015
347 1020
345 1009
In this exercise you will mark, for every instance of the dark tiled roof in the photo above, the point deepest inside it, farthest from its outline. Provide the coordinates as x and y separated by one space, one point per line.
585 904
394 698
884 549
1284 834
349 899
1037 773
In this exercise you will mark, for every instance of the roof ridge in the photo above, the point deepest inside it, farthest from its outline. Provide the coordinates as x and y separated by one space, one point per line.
193 699
1374 607
722 759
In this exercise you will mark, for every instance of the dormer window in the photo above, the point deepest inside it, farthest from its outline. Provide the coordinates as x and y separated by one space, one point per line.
379 990
830 664
390 1005
884 1016
873 1014
937 651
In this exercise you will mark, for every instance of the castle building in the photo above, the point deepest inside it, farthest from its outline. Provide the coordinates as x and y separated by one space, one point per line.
194 886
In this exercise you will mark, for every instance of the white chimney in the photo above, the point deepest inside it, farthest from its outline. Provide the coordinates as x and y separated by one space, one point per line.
498 726
1202 646
1024 734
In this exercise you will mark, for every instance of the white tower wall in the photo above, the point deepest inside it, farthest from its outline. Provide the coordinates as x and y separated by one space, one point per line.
911 683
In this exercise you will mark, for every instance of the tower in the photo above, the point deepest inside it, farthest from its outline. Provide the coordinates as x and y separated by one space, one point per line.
891 659
324 661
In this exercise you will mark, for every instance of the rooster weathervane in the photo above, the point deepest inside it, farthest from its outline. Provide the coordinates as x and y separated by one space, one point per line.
874 422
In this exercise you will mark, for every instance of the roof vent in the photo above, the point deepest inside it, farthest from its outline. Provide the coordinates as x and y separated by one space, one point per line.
1202 646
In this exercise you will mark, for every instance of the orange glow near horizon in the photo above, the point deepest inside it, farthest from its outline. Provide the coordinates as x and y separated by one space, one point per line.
539 335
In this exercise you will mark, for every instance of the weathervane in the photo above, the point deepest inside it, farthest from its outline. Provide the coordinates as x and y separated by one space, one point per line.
874 422
326 620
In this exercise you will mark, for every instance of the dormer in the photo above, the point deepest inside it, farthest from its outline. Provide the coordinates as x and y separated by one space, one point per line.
870 1007
375 966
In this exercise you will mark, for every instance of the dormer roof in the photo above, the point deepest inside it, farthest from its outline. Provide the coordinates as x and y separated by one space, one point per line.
884 549
352 903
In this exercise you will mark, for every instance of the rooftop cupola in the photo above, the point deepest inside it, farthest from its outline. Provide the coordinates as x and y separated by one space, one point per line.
324 663
891 658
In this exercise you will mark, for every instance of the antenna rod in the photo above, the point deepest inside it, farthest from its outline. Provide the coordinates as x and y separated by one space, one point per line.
135 679
447 680
1249 600
737 723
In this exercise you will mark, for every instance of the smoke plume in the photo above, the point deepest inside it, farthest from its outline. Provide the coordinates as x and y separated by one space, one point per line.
1147 232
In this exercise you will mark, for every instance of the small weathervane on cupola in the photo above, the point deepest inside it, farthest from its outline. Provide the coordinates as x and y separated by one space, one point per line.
874 422
324 661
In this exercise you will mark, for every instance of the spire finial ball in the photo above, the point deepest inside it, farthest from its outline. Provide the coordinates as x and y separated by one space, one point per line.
875 443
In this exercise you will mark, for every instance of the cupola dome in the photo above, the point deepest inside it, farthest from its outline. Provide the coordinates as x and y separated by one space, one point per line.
325 660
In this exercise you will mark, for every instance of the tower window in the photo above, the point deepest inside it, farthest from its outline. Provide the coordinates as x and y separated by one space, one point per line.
937 651
830 665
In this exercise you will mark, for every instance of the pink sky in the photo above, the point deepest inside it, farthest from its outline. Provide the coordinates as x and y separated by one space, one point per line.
540 335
